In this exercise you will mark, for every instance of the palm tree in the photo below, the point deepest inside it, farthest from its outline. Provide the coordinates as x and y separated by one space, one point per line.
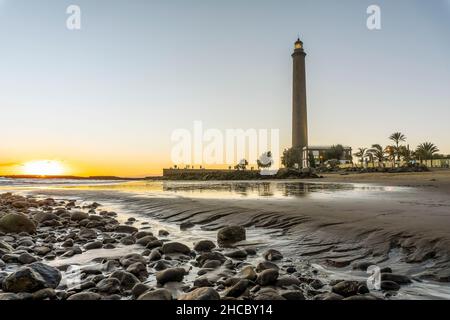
397 137
390 151
361 154
406 153
426 151
377 152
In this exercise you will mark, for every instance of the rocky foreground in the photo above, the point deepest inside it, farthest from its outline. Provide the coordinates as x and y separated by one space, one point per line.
36 232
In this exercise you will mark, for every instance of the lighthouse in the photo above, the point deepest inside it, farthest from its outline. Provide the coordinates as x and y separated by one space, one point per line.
299 110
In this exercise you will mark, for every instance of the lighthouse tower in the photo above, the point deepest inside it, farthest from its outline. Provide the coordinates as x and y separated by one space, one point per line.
299 111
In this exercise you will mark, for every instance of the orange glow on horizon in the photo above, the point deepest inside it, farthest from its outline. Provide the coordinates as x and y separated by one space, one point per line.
43 168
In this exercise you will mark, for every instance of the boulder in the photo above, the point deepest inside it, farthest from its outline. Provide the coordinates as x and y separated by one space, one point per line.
204 245
248 272
127 280
93 245
389 285
231 234
346 288
272 255
85 296
125 229
267 277
175 247
201 294
51 275
158 294
398 278
16 223
170 275
23 280
108 286
79 215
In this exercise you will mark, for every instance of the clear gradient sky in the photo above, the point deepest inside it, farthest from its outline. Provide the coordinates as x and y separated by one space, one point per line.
104 100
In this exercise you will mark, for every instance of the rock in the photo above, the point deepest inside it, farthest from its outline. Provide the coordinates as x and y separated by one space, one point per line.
268 294
170 275
42 250
144 241
328 296
67 244
154 244
45 216
362 297
201 294
131 258
139 289
286 281
272 255
9 297
7 247
43 294
85 296
161 265
231 234
141 234
204 245
78 215
265 265
125 229
238 289
158 294
26 258
16 223
316 284
23 280
51 275
175 247
389 285
398 278
293 295
108 286
86 233
139 270
346 288
154 255
128 241
163 233
248 273
127 279
363 265
203 281
211 264
267 277
186 225
93 245
236 254
213 255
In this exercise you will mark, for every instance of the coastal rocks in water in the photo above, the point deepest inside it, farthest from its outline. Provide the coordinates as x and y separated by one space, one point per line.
158 294
389 285
85 296
127 280
186 225
108 286
266 265
5 246
51 275
204 245
16 223
268 294
349 288
175 247
23 280
238 289
201 294
131 258
287 281
154 255
128 240
272 255
293 295
125 229
26 258
139 269
170 275
78 215
163 233
398 278
47 293
328 296
267 277
248 272
236 254
231 234
139 289
93 245
145 240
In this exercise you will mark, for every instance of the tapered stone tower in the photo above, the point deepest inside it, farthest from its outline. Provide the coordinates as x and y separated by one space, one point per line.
299 112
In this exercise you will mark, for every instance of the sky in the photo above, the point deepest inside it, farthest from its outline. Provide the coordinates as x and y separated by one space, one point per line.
104 100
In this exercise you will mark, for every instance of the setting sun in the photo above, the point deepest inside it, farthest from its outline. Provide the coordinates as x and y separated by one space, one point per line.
43 168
